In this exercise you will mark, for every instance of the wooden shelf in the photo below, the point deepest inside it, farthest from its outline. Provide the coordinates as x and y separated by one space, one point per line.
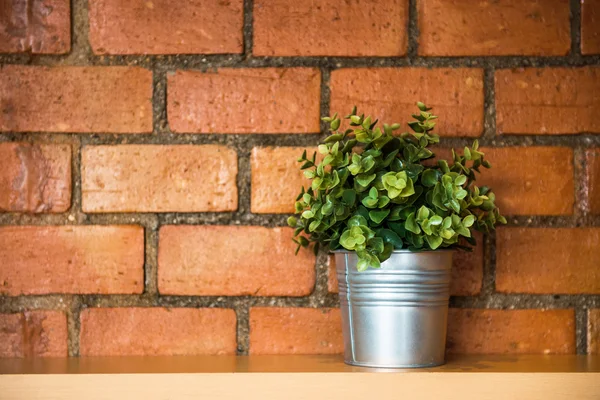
298 377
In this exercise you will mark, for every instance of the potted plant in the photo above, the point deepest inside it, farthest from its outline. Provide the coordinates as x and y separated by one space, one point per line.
393 220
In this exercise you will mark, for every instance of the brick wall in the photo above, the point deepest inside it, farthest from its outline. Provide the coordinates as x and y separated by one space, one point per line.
143 198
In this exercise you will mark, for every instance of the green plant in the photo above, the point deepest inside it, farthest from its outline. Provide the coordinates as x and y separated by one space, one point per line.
371 193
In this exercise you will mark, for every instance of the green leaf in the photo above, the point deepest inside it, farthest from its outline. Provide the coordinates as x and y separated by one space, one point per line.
434 241
292 222
422 213
436 220
429 177
357 220
468 221
365 179
411 224
349 197
376 244
391 237
335 124
378 215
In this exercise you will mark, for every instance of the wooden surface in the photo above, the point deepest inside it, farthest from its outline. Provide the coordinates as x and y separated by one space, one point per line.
298 377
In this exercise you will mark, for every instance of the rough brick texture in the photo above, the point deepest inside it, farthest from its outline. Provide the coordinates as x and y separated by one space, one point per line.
493 28
276 178
547 100
590 27
511 331
251 260
548 260
159 27
593 331
75 99
157 331
33 334
71 259
295 331
456 94
592 183
35 178
531 180
330 28
149 178
265 100
467 271
36 26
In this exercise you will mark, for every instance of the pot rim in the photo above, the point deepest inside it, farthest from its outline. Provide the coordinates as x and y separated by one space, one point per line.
401 251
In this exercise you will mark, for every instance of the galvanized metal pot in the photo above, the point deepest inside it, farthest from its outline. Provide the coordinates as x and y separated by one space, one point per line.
396 316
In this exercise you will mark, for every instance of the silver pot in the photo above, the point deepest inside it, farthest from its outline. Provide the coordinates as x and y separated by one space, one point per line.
396 316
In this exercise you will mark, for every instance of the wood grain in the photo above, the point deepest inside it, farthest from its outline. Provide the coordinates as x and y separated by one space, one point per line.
322 377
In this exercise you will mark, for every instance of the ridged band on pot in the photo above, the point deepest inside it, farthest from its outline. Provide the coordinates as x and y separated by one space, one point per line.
395 316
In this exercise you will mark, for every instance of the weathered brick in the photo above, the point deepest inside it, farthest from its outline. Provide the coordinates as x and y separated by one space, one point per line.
548 260
590 27
295 331
251 260
592 182
35 177
36 26
71 259
33 334
547 100
530 180
75 99
593 332
153 178
330 28
157 331
493 28
276 179
511 331
467 271
159 27
248 100
391 94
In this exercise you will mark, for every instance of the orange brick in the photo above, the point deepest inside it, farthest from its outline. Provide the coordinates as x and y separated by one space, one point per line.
71 259
473 331
33 334
152 178
251 260
157 331
590 27
330 28
75 99
547 100
276 179
548 260
35 178
39 27
530 180
593 333
593 180
510 27
295 331
391 94
332 280
467 271
248 100
158 27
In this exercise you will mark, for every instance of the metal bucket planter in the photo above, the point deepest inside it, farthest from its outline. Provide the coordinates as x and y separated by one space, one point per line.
396 316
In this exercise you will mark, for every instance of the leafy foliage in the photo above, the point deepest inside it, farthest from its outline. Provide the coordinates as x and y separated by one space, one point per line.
372 193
